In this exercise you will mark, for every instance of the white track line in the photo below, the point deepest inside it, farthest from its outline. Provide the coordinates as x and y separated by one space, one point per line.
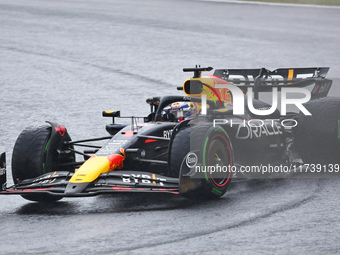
274 4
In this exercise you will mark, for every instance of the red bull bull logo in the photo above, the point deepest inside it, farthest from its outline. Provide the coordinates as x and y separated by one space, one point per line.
61 129
97 165
116 160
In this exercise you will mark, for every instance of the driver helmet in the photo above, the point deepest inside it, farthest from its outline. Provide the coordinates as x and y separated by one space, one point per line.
183 110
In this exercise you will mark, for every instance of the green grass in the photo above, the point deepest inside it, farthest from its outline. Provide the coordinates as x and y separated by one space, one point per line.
320 2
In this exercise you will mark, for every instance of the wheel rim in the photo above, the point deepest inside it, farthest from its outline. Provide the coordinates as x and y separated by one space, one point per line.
219 156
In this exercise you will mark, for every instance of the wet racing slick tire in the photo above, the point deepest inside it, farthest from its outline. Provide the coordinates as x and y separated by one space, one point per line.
29 158
212 147
317 135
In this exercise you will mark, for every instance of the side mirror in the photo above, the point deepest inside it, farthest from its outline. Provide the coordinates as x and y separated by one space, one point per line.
193 87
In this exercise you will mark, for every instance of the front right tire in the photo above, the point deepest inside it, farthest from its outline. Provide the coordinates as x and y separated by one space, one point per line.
212 147
29 159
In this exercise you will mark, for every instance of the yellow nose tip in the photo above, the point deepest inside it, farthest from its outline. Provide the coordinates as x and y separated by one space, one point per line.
91 169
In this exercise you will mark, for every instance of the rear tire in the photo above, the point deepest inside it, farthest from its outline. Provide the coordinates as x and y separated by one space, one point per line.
317 136
213 148
29 159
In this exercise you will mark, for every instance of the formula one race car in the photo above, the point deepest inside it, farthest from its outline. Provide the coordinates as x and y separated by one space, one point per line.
193 145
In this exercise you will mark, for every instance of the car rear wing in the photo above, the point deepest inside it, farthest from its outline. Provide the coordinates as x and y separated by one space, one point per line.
263 80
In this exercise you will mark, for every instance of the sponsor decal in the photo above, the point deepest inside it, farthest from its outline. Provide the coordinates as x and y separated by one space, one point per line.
248 129
61 129
191 160
142 178
111 147
249 132
167 133
116 160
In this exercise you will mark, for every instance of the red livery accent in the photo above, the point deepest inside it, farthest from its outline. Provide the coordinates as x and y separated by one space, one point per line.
121 188
94 155
116 160
128 133
45 188
61 129
150 140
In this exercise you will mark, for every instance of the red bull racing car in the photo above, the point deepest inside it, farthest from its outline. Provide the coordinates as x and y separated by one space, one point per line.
193 145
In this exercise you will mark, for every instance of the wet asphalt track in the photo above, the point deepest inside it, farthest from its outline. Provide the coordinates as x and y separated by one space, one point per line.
68 60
